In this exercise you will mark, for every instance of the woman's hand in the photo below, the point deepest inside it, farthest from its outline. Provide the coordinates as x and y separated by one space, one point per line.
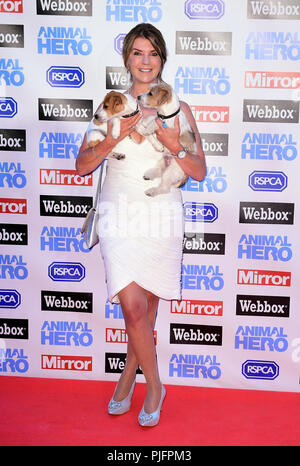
127 126
169 137
89 159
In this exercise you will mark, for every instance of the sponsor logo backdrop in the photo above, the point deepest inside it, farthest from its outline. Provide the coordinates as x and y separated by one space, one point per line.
237 64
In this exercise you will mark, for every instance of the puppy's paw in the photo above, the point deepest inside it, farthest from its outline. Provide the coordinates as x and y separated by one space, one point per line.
118 155
150 174
152 192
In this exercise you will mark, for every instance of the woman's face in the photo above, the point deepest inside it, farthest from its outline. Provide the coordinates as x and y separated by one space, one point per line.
144 63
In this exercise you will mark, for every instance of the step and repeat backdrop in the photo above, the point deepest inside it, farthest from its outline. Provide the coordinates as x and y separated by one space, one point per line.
236 63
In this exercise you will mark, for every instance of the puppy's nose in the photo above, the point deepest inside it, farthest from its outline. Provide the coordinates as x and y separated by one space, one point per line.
139 97
96 116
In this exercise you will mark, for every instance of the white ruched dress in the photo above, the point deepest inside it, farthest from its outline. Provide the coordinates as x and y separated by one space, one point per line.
141 237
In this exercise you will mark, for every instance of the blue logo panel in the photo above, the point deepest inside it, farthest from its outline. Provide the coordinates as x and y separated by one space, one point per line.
266 370
65 76
200 212
9 299
268 181
66 271
8 107
204 9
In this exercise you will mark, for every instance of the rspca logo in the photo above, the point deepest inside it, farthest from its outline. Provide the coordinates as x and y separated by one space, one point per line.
65 333
139 11
64 7
263 247
275 45
200 80
62 239
8 107
13 267
204 9
11 73
66 271
200 212
195 366
268 181
12 175
266 370
261 338
9 299
13 360
269 146
274 9
215 181
118 43
64 41
60 145
196 277
65 76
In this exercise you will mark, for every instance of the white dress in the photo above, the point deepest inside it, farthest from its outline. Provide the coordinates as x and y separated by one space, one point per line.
140 236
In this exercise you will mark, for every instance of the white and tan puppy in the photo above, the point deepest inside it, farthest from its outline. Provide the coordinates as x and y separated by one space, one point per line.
163 98
114 107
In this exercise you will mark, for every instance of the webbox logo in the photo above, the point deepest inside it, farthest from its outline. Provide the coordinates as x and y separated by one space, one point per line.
188 334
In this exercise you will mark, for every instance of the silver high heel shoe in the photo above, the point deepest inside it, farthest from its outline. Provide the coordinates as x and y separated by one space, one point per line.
121 407
150 420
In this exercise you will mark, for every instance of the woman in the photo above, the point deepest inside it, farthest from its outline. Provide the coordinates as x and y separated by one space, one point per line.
140 269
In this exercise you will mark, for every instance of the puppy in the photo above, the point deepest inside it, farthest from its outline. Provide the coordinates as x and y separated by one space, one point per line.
163 98
114 107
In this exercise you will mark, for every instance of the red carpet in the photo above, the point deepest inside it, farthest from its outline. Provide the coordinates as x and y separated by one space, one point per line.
48 412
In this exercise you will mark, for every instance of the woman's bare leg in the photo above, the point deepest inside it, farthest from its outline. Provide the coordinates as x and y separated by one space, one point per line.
139 309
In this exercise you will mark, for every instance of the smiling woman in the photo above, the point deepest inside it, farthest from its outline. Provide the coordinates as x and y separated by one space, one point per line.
141 236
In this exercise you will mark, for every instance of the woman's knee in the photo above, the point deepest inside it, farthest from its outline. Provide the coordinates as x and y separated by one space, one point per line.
134 305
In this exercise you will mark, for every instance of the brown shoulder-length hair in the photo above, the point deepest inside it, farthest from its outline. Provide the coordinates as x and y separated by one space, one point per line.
150 32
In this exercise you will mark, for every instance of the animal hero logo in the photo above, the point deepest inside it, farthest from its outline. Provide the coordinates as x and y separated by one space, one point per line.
200 80
11 72
60 145
64 41
263 247
194 366
67 239
273 45
269 146
261 338
141 11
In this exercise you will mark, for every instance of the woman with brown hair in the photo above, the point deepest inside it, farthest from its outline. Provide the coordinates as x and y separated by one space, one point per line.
143 260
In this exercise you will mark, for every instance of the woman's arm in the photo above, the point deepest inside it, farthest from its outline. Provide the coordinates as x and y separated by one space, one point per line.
89 159
193 164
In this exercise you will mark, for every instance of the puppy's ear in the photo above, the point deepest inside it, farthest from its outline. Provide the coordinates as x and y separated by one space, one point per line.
164 96
116 100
